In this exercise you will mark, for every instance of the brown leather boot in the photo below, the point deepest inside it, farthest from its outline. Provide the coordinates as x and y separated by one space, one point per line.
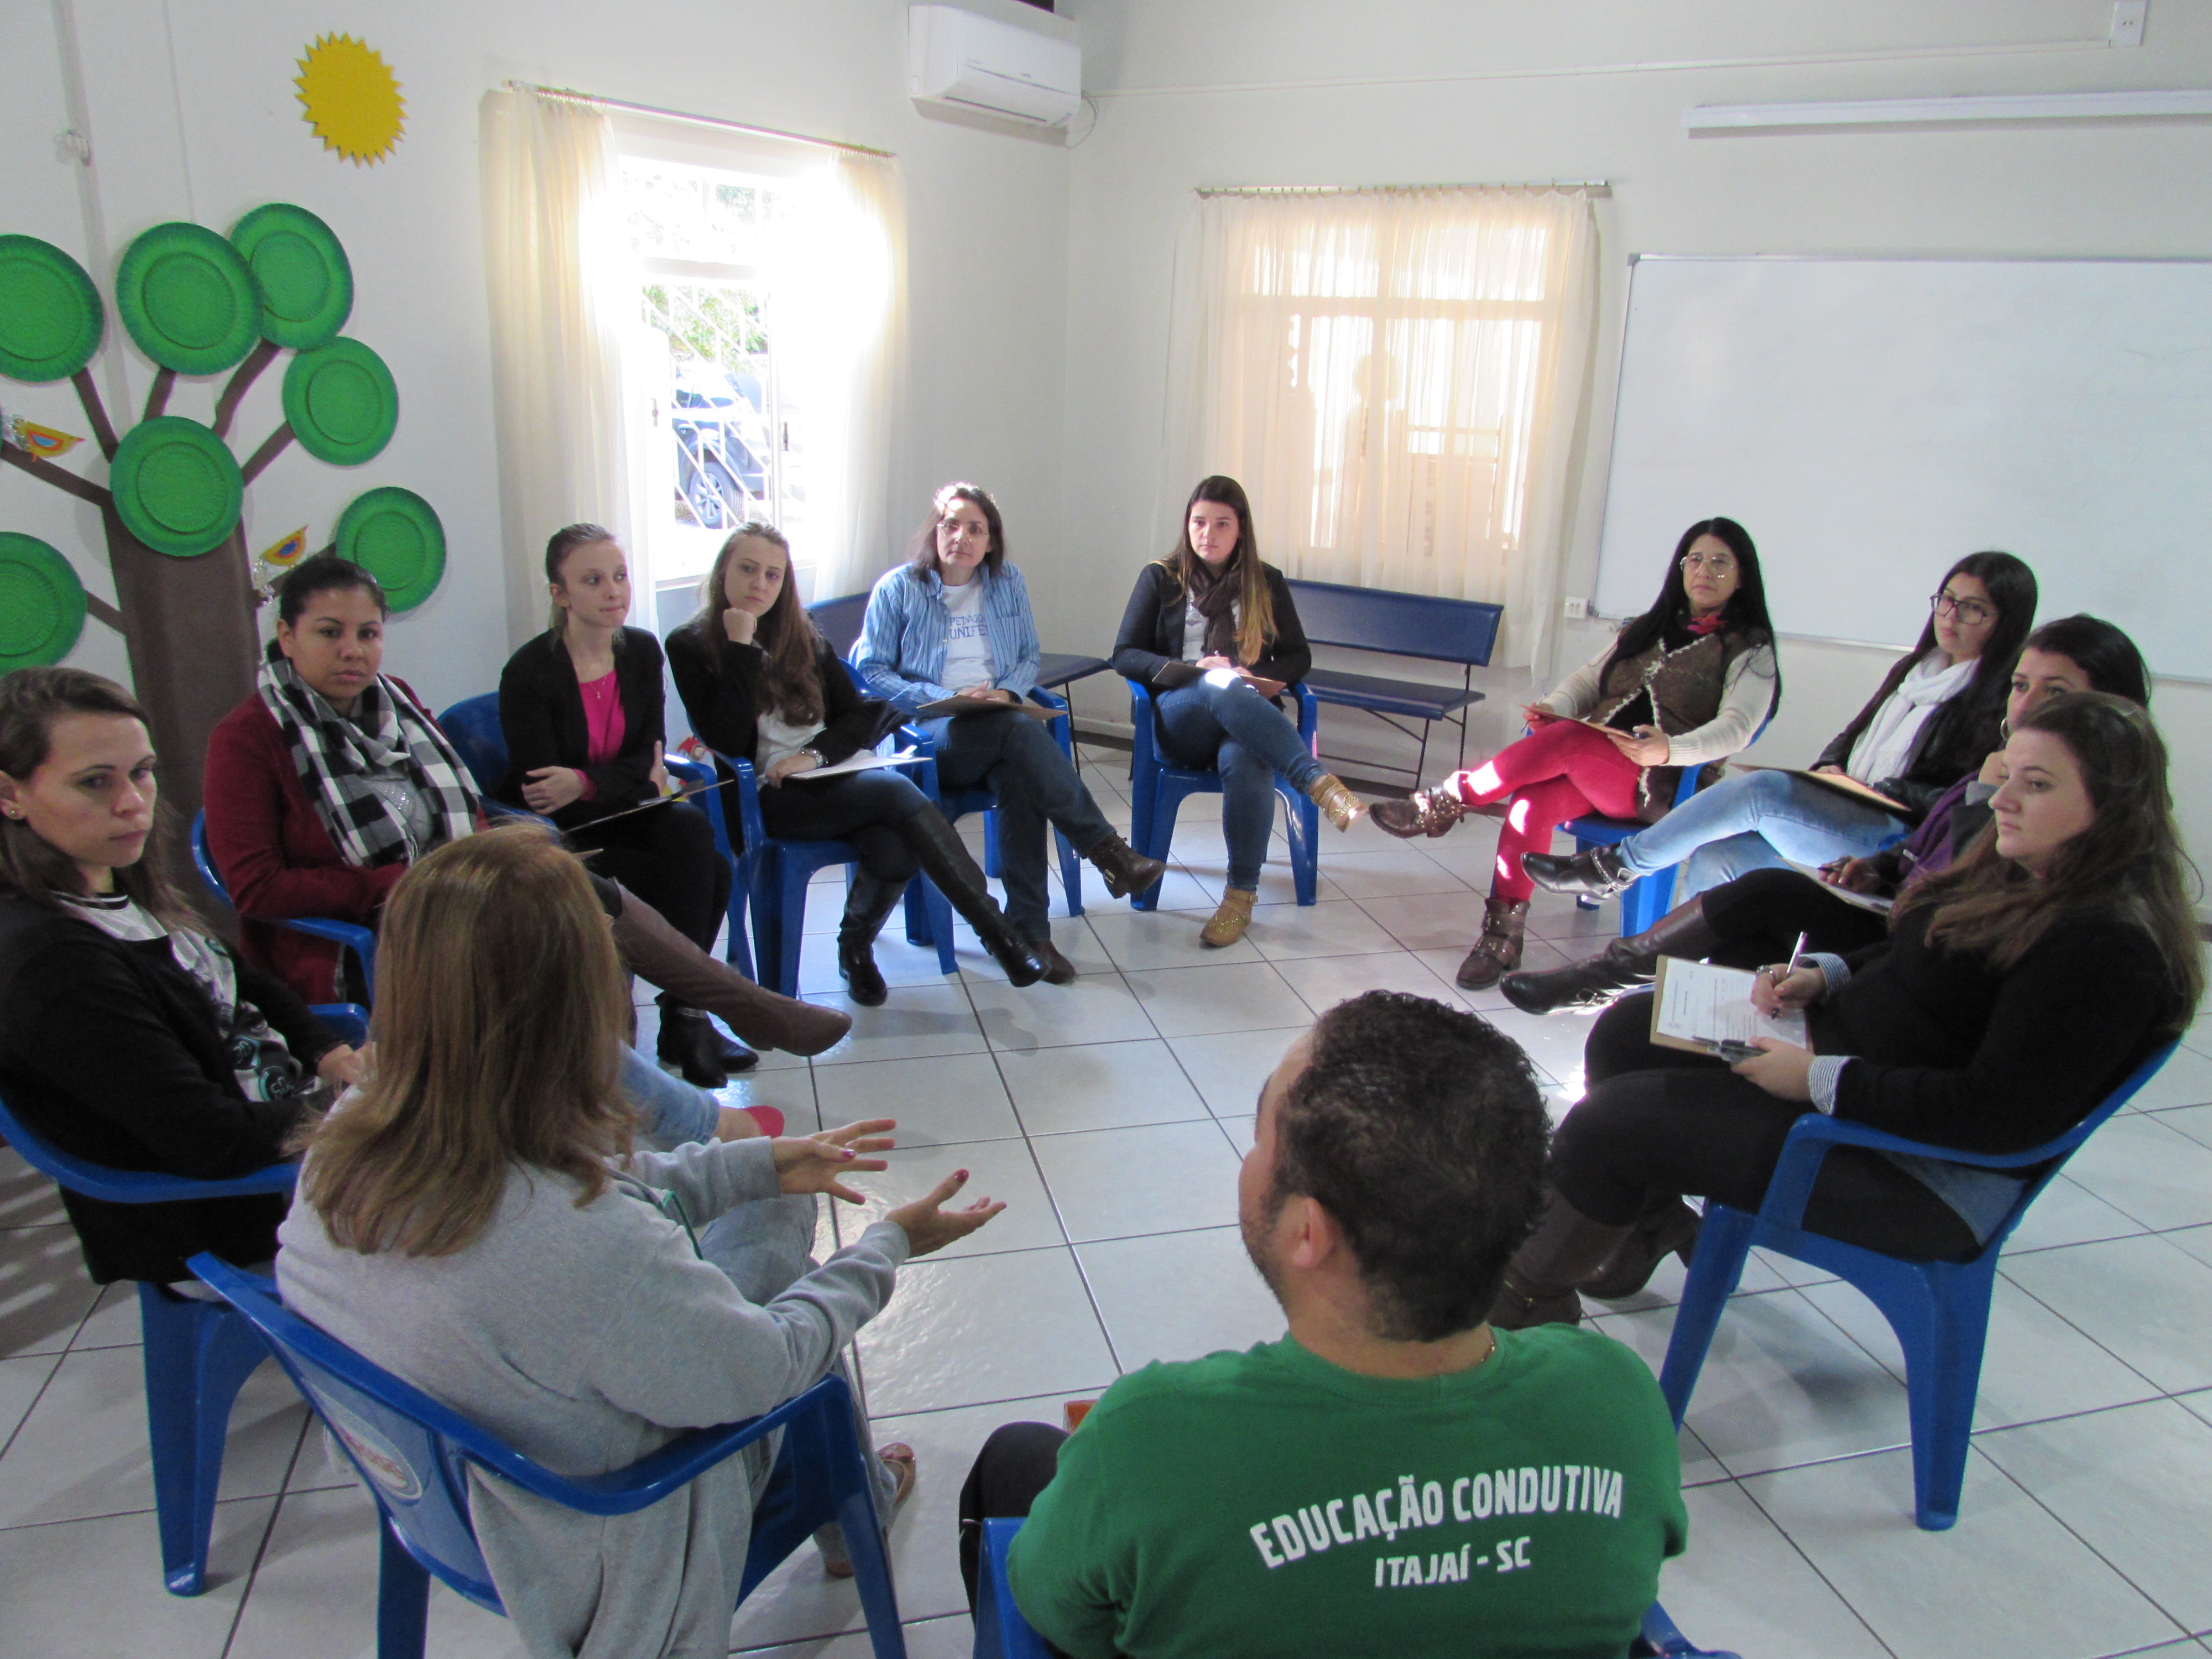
657 953
1127 872
1587 987
1504 923
1423 812
1566 1248
1666 1224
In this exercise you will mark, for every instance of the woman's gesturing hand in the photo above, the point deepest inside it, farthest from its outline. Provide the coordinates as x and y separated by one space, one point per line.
819 1164
1783 1069
931 1227
1778 990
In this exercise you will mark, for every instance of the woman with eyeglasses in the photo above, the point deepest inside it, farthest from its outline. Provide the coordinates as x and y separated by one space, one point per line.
1687 684
1935 717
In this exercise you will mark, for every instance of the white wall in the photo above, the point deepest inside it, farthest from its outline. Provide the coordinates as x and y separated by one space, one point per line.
1441 91
193 115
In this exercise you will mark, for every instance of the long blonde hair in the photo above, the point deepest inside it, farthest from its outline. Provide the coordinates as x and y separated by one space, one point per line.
1256 607
500 1012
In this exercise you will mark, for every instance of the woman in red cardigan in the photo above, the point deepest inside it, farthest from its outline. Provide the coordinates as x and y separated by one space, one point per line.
330 749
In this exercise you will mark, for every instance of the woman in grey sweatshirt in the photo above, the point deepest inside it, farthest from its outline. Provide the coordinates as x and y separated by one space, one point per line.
467 1222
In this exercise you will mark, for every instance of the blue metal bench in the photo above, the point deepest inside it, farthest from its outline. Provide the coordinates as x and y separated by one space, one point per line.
1464 631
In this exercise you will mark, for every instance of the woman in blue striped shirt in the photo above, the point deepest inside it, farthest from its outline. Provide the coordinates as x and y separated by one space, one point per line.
955 621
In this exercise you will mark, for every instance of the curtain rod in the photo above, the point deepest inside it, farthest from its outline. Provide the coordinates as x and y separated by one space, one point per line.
1589 186
696 120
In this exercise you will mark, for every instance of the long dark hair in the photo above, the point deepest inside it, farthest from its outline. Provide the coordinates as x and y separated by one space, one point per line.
2013 591
2101 651
1255 610
785 633
2130 859
31 701
1745 613
921 550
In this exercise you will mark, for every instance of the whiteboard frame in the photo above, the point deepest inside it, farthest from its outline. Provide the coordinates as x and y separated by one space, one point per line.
1620 366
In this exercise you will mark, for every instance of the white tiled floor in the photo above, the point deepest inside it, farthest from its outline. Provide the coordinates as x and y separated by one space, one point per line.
1111 1114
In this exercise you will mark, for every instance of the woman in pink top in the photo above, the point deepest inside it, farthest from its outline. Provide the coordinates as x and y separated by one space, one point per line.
582 707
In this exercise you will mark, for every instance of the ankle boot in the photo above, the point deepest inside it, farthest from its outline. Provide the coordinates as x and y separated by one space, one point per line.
1587 987
1338 804
664 958
1504 924
689 1042
1666 1224
1424 812
946 862
1598 872
868 903
1127 872
1566 1248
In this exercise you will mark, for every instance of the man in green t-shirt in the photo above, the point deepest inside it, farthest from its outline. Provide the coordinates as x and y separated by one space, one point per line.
1392 1477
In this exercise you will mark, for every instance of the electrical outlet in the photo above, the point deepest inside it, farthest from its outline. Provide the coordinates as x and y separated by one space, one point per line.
1577 607
2128 22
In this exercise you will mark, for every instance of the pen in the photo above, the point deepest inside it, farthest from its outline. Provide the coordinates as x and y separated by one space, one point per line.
1796 955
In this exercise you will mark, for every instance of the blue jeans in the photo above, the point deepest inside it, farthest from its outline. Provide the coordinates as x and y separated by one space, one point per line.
670 1111
1757 821
1249 742
1015 758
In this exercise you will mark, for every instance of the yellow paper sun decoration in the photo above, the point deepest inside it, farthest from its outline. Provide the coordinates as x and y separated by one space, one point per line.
352 99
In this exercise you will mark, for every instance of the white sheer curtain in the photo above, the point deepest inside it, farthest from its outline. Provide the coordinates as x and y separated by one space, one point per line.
557 263
844 295
1395 378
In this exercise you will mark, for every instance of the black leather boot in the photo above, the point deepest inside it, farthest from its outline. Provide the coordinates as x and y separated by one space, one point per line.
1666 1224
868 903
1586 987
689 1042
1505 929
1598 872
1566 1248
946 862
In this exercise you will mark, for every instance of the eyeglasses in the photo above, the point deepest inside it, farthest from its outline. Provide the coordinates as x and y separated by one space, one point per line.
1720 564
1972 612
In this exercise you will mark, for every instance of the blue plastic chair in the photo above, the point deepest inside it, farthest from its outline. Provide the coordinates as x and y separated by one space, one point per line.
959 803
1647 898
1001 1632
196 1354
1940 1310
472 727
350 935
776 873
1158 789
414 1455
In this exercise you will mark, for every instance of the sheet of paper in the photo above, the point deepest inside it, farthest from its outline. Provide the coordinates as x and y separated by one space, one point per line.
1699 1006
863 762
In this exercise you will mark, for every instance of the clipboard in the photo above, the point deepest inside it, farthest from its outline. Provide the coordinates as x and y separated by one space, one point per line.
863 762
1841 784
1698 1007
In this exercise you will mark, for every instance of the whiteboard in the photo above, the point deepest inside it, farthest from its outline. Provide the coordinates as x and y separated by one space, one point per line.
1869 421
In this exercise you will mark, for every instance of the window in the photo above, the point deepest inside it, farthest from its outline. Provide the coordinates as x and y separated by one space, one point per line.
728 426
1394 376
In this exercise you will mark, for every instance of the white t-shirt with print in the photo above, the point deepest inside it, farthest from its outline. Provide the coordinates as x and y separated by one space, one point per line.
967 646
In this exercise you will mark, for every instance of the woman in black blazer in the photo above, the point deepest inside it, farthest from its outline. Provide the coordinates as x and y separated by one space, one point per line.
582 707
1207 628
761 685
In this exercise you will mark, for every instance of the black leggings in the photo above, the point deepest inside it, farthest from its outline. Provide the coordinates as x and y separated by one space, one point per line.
1016 1463
667 858
1759 917
1662 1120
862 808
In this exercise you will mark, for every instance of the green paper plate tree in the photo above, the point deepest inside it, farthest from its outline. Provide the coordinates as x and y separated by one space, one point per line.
197 304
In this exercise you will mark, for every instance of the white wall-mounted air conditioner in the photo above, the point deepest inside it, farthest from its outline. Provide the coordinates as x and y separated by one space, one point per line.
957 57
